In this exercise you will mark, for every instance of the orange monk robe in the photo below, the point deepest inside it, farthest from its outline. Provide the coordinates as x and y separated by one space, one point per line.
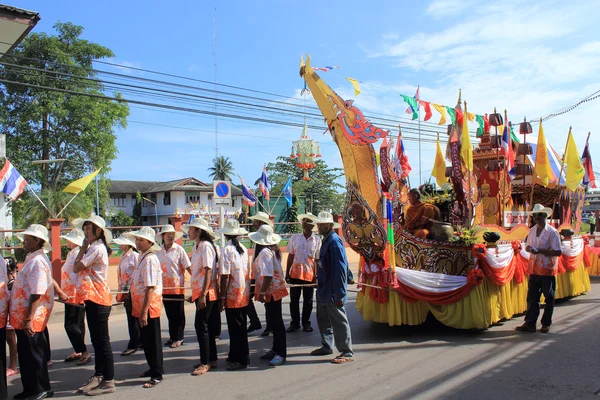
417 217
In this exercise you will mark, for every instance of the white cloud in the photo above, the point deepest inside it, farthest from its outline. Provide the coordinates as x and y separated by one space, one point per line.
125 66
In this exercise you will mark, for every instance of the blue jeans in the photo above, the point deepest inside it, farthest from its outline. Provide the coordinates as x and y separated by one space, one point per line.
538 285
333 325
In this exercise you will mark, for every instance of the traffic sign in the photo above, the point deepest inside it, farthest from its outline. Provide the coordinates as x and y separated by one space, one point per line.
222 192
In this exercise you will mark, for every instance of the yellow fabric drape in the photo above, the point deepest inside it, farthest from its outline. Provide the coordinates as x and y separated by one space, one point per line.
542 161
573 166
466 149
439 166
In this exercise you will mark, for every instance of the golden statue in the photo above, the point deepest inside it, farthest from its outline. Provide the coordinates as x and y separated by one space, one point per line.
490 205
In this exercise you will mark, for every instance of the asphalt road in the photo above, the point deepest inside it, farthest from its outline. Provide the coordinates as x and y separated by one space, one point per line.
426 362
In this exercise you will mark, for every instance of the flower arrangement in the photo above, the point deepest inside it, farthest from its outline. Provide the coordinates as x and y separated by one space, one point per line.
479 251
466 236
439 198
475 276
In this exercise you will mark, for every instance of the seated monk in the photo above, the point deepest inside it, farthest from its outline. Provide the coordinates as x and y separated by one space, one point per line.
418 214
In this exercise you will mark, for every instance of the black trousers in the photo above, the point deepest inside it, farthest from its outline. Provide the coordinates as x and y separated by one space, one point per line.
33 361
205 332
97 319
3 389
238 335
539 285
175 315
251 310
275 320
307 293
75 327
150 335
132 325
592 228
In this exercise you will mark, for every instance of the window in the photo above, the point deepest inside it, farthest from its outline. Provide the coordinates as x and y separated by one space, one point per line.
192 197
167 199
118 200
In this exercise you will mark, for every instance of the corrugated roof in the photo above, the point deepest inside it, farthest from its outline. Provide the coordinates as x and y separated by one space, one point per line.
186 184
22 12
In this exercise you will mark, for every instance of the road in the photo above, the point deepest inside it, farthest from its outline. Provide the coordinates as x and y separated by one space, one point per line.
426 362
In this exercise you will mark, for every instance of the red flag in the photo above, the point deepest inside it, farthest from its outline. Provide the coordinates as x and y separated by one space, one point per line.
402 165
586 159
459 116
427 108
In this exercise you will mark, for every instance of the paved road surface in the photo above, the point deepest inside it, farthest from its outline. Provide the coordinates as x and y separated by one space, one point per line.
427 362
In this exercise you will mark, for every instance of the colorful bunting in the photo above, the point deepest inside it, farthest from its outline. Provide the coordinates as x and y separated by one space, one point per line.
325 69
452 113
442 111
427 108
481 123
412 104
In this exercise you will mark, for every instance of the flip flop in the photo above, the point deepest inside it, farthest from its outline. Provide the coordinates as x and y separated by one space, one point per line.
73 357
84 360
341 359
176 344
11 372
152 383
128 352
201 370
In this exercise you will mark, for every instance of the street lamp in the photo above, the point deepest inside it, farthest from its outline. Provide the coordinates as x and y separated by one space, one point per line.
155 209
61 160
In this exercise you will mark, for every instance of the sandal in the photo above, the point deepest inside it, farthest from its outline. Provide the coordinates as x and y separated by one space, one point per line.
168 343
73 357
11 372
176 344
84 360
201 370
128 352
342 359
151 383
234 366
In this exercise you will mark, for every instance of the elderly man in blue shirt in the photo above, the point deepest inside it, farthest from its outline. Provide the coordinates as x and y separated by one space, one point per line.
332 278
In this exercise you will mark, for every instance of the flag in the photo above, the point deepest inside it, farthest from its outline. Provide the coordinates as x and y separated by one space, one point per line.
543 170
575 171
354 83
325 69
481 123
452 113
427 106
263 184
247 197
439 166
80 184
401 161
512 134
588 179
466 148
442 111
287 191
11 181
507 151
412 105
471 116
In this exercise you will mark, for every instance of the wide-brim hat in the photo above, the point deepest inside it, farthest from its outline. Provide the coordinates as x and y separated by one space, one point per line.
199 223
96 220
74 236
38 231
145 232
310 216
166 229
325 217
538 208
232 228
265 236
125 240
262 216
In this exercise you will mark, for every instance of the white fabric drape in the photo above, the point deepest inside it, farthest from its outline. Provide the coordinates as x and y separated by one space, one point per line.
572 247
502 258
429 281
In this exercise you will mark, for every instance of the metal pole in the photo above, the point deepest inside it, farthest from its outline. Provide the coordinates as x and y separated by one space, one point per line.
97 197
419 119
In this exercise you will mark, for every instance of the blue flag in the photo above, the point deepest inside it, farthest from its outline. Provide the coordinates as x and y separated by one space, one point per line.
287 191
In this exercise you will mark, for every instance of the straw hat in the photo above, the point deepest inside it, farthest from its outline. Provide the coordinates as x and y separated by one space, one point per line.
265 236
145 232
96 220
310 216
125 240
199 223
75 236
38 231
232 228
538 208
166 229
262 216
326 218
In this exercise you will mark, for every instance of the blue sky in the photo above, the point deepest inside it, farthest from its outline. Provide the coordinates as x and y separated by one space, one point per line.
528 58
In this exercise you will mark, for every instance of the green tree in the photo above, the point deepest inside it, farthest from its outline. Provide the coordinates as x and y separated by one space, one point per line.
222 169
43 124
121 219
137 209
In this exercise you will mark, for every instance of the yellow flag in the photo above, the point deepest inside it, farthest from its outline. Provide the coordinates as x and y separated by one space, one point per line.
543 170
80 184
466 149
439 166
471 116
354 83
442 111
573 165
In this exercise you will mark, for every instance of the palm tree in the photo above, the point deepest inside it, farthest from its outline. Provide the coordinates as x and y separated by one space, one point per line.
55 200
222 169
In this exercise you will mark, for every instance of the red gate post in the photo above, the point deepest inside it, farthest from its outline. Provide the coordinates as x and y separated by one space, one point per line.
176 221
338 218
55 255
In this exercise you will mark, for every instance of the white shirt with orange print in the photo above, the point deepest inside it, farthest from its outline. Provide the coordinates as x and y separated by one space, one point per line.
266 264
4 293
540 264
34 277
203 258
68 278
129 261
147 274
305 252
236 266
92 280
173 262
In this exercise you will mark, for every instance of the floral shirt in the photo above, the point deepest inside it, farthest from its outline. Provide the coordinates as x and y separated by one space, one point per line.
548 239
173 262
146 274
125 270
203 258
4 293
305 252
266 264
92 280
34 277
236 266
68 278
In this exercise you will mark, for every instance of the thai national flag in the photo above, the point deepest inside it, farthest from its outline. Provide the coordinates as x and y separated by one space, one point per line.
507 151
401 163
11 182
410 110
586 159
247 196
263 184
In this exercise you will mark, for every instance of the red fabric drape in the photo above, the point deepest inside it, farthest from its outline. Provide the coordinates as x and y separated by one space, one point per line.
569 263
412 295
